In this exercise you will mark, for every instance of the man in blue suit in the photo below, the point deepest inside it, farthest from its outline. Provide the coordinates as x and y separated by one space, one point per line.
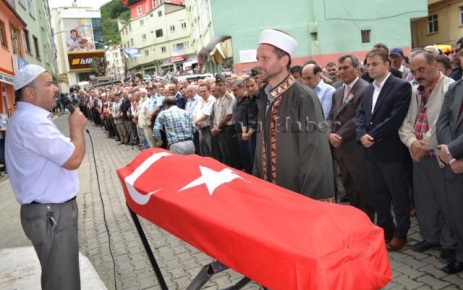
379 116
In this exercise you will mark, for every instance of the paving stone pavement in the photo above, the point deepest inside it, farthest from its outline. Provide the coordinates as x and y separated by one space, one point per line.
178 261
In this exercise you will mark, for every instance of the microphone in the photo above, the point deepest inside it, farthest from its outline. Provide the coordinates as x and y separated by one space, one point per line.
67 103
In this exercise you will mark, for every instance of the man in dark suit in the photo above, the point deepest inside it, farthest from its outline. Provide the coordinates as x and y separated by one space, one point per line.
449 130
379 116
349 153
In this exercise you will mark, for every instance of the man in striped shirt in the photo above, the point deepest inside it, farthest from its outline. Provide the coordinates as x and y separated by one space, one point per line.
178 127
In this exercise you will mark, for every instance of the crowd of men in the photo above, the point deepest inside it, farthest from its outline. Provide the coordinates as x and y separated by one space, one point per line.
392 127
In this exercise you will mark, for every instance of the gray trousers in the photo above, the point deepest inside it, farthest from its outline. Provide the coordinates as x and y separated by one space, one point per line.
123 133
183 147
205 141
431 203
454 183
57 246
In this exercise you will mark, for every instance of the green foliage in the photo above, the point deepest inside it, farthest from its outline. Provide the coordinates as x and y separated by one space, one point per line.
110 12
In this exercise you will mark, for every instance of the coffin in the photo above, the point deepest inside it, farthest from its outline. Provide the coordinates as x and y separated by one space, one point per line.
276 237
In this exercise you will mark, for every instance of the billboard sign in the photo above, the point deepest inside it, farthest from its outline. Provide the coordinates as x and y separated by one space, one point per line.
88 61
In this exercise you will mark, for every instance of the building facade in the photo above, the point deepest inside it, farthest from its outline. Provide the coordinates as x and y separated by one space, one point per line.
79 42
115 62
323 29
143 7
442 25
11 47
37 37
163 39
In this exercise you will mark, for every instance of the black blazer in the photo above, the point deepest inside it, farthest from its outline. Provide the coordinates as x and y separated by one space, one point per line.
384 123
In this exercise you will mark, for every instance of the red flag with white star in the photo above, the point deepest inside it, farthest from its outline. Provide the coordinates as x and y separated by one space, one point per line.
276 237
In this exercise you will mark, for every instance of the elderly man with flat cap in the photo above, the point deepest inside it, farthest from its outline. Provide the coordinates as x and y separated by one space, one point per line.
43 164
292 150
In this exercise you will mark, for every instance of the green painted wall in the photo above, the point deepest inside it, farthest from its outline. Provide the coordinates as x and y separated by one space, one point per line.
338 23
250 17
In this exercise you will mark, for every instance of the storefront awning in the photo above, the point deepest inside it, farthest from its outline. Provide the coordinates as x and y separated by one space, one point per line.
215 39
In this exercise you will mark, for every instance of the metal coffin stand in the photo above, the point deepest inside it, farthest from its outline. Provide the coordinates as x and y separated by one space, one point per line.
203 276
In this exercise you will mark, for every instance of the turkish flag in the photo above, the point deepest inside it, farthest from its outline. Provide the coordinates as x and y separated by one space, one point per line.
276 237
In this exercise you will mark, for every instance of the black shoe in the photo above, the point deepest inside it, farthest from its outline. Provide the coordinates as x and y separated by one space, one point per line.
422 246
447 256
344 199
454 267
120 143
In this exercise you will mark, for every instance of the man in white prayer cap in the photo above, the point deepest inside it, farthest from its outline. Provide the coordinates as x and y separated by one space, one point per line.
42 165
292 148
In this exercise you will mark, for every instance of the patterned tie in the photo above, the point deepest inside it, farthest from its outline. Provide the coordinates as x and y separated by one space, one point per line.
346 94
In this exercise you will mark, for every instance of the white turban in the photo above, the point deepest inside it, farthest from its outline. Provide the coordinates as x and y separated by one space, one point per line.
278 39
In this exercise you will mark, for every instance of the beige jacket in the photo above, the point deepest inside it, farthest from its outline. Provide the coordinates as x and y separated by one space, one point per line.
435 100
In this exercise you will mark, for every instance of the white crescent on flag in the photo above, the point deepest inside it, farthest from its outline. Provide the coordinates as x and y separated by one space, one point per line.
136 196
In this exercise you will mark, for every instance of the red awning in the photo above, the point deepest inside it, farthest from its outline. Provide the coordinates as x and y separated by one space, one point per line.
177 58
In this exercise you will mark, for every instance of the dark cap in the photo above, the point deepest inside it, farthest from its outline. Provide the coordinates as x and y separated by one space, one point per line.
396 51
254 71
220 79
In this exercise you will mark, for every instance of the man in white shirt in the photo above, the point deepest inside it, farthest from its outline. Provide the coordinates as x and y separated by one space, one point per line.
42 165
201 118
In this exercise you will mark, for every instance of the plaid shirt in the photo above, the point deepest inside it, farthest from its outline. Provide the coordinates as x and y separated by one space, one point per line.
176 123
422 126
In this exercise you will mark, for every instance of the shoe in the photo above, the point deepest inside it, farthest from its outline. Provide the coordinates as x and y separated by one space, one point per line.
447 256
422 246
120 143
454 267
396 243
388 237
344 199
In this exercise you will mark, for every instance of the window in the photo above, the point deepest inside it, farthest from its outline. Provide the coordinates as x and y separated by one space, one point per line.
183 25
461 15
172 28
143 36
3 35
36 46
154 3
30 7
186 44
139 10
26 40
14 39
130 27
131 41
147 52
122 32
163 49
432 24
142 22
366 36
159 13
159 33
23 3
128 44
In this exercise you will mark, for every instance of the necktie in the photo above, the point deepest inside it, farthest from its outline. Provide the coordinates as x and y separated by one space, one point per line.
346 94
